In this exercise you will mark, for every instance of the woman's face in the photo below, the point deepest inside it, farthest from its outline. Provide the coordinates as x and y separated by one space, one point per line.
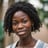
21 24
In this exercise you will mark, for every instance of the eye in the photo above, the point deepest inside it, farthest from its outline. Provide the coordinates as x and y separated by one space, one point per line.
14 23
25 21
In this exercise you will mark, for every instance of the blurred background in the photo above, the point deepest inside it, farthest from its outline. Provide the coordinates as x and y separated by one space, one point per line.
42 8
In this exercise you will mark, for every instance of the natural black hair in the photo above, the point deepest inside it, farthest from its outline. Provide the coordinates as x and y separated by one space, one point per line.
28 8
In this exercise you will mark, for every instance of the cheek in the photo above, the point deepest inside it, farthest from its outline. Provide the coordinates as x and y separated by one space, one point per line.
28 25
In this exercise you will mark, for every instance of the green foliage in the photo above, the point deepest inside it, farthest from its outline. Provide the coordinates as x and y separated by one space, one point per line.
43 14
1 30
44 1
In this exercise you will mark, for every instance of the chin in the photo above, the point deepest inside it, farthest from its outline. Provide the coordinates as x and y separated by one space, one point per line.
22 36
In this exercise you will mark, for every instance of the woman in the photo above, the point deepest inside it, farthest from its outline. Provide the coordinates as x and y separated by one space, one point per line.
22 19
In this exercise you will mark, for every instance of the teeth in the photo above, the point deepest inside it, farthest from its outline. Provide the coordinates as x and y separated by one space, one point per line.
21 32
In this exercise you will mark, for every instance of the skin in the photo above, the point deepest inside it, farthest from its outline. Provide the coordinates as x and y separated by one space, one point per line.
21 25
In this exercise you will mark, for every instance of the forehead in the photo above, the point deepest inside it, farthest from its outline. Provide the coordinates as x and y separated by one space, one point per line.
20 14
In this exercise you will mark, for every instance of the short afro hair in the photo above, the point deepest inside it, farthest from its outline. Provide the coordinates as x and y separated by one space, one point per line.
28 8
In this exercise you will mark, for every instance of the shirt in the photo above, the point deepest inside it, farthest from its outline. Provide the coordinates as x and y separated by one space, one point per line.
39 44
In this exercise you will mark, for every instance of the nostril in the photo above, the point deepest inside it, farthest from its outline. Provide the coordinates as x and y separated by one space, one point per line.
20 26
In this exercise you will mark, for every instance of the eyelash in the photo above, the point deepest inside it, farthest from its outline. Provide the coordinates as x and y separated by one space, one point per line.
15 23
24 21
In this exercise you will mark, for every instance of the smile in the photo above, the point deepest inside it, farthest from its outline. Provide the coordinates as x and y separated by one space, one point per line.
21 32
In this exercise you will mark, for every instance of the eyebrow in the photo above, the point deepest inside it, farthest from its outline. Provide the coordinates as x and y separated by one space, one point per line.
21 18
14 20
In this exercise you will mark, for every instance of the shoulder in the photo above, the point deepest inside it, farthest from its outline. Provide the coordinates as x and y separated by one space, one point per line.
11 45
42 44
45 45
8 46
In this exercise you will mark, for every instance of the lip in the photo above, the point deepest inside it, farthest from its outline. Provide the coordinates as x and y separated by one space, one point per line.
21 32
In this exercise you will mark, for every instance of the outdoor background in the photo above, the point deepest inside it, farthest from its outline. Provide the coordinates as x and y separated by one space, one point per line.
42 8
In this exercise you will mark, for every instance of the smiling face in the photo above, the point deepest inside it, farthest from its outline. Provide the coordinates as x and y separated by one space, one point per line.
21 24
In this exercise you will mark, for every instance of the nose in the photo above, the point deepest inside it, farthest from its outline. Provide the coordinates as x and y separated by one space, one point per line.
20 26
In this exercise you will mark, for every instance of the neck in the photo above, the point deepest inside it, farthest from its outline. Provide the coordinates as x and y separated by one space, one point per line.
26 41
